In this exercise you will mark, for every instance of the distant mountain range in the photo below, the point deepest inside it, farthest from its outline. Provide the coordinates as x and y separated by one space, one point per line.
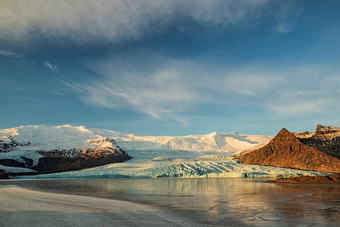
67 136
233 142
43 149
317 151
46 149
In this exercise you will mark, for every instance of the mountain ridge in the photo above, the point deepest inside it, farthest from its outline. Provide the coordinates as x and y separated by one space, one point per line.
299 151
220 142
44 149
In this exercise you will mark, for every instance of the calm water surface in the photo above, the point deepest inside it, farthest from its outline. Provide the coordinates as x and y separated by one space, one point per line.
214 201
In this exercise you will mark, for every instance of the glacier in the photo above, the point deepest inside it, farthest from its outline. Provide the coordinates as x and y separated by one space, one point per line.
178 163
189 156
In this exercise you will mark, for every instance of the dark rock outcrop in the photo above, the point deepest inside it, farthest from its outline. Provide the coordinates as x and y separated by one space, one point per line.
60 160
12 163
57 161
325 138
287 150
3 175
330 179
10 144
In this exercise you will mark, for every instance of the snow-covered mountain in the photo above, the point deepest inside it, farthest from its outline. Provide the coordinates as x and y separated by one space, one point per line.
218 142
43 149
68 137
153 156
47 137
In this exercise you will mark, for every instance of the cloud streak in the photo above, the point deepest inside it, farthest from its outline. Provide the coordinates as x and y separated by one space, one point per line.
51 66
161 93
10 54
87 21
170 88
308 90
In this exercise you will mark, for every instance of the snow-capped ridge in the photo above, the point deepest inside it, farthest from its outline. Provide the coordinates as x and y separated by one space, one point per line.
68 137
81 128
104 142
220 142
56 149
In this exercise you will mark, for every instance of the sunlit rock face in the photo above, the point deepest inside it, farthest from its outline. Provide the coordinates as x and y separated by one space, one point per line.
317 151
325 138
43 149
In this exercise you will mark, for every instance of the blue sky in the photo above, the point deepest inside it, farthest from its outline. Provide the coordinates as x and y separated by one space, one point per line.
171 67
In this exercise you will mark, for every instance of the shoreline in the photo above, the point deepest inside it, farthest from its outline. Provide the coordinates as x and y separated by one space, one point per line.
27 207
323 179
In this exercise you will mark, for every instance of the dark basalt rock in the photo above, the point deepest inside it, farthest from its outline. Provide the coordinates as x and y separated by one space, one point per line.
28 162
11 162
6 147
3 175
287 150
329 179
57 162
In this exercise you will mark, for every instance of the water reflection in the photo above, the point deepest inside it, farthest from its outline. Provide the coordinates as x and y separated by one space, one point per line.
216 201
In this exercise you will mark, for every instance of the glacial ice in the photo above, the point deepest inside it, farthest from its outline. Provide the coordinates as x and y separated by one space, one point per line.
184 164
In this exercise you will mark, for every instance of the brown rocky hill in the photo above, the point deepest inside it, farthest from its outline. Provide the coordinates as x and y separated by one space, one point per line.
317 151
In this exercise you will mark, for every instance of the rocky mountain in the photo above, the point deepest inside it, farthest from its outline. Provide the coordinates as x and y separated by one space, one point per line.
317 151
43 149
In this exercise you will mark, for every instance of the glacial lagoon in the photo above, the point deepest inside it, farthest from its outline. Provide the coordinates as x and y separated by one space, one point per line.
215 201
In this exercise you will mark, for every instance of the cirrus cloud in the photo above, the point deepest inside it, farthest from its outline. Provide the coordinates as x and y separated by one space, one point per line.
168 88
87 21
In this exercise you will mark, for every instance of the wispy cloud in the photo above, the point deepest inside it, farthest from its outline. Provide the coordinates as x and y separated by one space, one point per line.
60 77
286 17
168 87
248 81
116 20
51 66
158 94
59 93
300 106
308 90
10 54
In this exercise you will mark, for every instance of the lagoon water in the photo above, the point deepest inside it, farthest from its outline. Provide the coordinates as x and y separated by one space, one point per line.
226 202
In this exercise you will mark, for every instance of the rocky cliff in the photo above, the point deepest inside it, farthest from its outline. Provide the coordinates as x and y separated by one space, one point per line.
325 138
55 149
317 151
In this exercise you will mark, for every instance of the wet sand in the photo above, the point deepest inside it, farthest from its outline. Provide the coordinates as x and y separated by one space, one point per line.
25 207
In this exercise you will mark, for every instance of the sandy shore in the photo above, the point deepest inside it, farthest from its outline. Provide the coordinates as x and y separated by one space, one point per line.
24 207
